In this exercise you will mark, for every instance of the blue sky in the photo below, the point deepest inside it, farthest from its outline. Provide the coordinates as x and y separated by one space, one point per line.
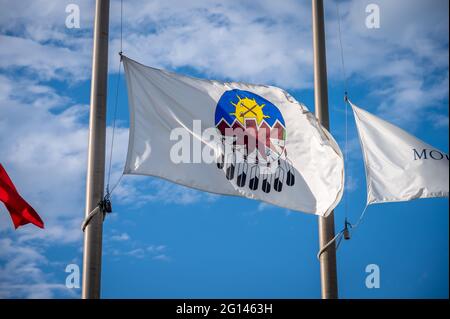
167 241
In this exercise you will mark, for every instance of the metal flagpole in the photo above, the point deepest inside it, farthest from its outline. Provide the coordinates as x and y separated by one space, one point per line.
328 273
92 257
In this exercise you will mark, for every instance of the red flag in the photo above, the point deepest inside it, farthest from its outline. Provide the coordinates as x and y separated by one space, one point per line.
21 212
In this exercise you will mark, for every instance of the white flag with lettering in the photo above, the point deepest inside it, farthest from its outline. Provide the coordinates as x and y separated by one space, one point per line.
239 139
399 167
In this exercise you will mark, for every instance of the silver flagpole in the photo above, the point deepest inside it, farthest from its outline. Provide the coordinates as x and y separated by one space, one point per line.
92 258
328 272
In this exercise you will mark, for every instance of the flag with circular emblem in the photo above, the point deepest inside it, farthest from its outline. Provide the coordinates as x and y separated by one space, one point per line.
229 138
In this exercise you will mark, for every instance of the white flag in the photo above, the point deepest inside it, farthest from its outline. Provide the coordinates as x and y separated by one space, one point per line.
399 167
246 140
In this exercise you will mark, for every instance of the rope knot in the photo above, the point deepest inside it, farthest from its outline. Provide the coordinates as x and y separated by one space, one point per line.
104 206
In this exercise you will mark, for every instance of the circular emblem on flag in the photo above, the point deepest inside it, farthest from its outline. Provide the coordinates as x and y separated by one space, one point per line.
253 124
253 134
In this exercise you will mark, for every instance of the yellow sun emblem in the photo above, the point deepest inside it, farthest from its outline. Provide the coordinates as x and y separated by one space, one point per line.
248 109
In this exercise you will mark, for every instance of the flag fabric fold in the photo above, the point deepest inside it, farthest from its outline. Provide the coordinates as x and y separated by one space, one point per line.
21 212
399 167
254 141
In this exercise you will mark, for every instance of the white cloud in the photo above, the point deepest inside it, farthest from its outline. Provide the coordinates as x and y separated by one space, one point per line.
21 275
405 61
121 237
37 40
137 191
162 257
35 291
47 62
263 206
230 39
45 155
224 40
138 253
137 249
440 120
45 152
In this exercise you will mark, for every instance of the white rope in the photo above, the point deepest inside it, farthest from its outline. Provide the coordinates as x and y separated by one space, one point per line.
89 217
338 236
116 184
116 101
353 226
344 72
100 207
322 250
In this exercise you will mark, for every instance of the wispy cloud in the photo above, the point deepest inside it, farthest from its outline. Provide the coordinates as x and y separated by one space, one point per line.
45 154
138 191
162 257
138 250
21 275
403 65
121 237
